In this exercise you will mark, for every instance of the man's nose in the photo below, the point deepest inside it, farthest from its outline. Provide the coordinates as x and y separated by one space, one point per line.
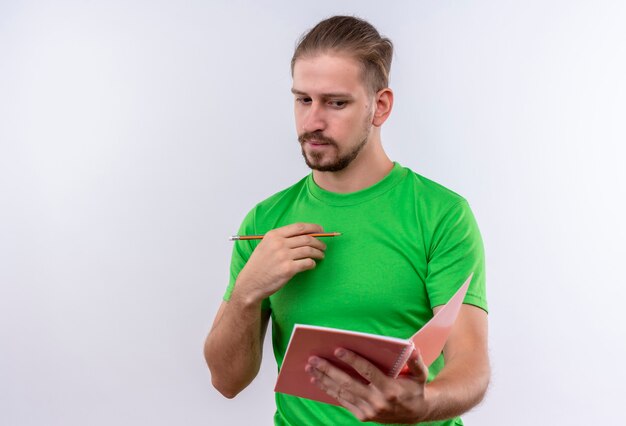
314 119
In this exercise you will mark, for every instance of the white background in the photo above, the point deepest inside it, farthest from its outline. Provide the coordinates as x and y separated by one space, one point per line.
135 135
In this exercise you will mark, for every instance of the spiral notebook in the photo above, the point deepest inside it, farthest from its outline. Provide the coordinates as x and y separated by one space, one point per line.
389 354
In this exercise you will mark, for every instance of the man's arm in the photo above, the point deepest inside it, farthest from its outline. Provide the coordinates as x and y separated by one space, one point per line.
463 381
459 386
233 348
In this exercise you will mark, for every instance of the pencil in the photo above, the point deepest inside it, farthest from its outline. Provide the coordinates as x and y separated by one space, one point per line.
260 237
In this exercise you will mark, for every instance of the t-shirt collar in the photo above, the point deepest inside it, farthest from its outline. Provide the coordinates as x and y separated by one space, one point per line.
396 174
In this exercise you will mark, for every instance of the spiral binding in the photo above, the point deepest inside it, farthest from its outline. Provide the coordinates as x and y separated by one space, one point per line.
402 359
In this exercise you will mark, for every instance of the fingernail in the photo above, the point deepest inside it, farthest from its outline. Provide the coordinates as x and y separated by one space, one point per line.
340 352
314 361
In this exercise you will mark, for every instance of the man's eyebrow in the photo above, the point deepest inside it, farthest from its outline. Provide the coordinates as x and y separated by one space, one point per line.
324 95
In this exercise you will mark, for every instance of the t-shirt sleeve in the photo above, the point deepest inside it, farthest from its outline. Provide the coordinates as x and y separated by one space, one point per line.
456 251
242 250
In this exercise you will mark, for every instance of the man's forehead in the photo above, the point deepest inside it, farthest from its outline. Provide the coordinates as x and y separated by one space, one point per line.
327 74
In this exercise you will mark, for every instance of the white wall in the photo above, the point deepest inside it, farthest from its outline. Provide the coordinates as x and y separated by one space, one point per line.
134 136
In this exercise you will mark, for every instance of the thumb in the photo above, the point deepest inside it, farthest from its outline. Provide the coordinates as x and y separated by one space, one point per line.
417 367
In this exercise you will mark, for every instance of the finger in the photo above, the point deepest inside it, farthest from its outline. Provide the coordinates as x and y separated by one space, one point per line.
361 409
366 369
297 229
305 240
357 411
336 382
417 367
306 252
302 265
342 395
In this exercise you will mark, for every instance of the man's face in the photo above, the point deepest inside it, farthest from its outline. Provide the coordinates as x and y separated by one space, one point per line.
333 110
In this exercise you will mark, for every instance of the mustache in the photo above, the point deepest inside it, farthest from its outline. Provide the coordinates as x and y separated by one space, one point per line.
317 137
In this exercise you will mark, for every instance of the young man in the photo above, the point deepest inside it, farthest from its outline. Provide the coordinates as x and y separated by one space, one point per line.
407 245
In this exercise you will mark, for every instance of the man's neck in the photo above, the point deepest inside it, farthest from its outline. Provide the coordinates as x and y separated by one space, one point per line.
369 168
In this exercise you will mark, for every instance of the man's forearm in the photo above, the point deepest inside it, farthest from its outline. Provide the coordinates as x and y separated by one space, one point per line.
460 386
233 349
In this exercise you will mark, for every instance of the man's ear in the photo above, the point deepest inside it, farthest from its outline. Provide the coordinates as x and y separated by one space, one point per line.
383 105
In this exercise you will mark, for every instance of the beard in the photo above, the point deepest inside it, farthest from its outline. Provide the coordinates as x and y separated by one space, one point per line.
314 159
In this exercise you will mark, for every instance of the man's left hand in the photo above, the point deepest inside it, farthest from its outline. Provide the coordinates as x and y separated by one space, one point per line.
385 399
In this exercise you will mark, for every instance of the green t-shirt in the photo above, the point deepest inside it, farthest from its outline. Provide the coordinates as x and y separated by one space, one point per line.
407 245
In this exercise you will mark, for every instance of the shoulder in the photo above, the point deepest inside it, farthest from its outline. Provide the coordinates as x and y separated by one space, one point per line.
272 206
282 198
432 196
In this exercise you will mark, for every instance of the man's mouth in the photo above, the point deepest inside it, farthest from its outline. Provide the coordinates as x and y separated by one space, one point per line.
317 144
315 141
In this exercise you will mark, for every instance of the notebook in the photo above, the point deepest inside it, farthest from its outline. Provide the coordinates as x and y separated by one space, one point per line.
389 354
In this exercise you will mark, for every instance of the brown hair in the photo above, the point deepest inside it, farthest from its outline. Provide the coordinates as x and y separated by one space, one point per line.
355 37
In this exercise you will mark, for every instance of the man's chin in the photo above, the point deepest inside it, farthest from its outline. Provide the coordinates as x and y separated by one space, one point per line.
325 167
322 163
313 162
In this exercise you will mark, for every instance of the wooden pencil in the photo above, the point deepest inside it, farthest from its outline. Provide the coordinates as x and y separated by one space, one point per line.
260 237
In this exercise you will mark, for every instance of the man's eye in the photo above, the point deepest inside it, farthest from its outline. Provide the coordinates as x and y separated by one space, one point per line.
338 104
303 100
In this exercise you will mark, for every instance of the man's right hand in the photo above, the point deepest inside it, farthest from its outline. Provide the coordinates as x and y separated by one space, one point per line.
281 254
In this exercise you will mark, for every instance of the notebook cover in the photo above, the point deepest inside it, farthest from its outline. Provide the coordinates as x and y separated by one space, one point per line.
386 353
